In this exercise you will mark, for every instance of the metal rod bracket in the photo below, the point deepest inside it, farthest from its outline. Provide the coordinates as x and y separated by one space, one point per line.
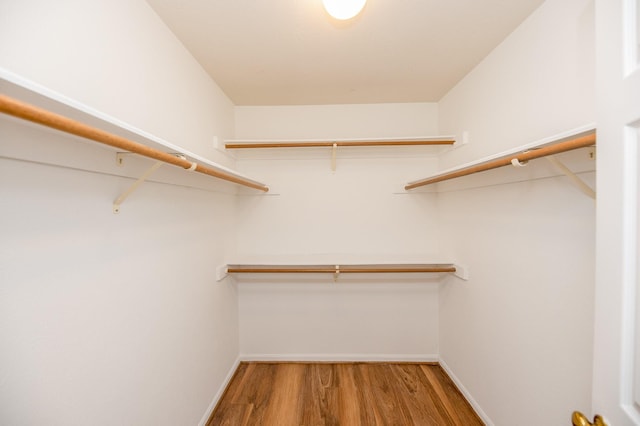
575 179
135 185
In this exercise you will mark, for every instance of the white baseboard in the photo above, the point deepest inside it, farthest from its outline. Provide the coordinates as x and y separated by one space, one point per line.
340 357
476 407
218 394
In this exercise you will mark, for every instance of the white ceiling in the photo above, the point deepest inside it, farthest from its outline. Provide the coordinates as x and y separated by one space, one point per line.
290 52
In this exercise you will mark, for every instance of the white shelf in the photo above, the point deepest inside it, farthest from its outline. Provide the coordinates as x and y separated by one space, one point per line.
30 92
328 142
514 153
345 148
343 268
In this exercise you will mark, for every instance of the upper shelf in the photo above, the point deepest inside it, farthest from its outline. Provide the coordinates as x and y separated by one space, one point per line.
316 143
29 101
579 138
364 148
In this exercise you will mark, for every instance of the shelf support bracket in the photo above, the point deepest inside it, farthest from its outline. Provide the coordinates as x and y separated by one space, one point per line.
135 185
120 156
575 179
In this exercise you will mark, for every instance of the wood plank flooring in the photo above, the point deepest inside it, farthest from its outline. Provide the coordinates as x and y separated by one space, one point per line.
324 394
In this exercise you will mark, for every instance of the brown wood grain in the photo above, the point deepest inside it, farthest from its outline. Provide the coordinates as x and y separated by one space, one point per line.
346 394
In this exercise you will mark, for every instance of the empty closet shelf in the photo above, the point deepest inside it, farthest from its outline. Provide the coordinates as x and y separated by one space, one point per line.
315 143
518 156
26 100
16 108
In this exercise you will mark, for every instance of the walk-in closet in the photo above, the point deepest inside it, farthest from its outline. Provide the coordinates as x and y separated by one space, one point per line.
255 213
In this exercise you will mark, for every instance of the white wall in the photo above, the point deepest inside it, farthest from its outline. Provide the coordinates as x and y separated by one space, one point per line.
337 121
357 214
110 319
91 298
538 82
119 58
301 319
518 335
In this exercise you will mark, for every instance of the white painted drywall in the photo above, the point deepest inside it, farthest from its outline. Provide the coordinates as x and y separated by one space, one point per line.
538 82
518 334
337 121
110 319
358 213
317 319
119 58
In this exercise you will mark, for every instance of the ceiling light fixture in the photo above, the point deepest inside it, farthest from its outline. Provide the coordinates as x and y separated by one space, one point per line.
343 9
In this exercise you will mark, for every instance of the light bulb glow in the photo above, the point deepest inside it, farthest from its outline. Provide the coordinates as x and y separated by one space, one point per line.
343 9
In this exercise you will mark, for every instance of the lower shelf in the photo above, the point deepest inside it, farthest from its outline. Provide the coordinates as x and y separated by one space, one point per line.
337 270
340 269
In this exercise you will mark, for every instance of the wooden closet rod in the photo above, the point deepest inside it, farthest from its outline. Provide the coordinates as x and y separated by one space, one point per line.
342 269
556 148
316 144
41 116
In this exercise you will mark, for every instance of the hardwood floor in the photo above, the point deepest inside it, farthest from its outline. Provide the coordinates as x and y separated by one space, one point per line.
312 394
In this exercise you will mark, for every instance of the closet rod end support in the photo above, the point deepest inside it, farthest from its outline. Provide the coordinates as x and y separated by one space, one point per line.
462 140
222 272
461 272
